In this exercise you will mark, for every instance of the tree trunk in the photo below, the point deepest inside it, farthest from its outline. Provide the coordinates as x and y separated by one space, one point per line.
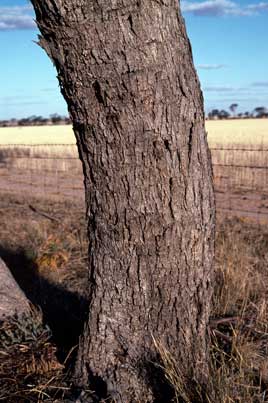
125 69
13 301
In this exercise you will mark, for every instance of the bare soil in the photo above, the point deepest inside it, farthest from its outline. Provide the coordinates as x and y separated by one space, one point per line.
56 185
249 204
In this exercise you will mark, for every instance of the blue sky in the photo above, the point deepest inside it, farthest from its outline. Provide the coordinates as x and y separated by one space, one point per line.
230 48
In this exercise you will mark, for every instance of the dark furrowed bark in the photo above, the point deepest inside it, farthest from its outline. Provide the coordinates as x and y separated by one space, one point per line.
125 69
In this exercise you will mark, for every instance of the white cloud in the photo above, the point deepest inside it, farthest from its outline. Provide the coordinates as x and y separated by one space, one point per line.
258 7
221 8
17 17
209 7
211 66
21 17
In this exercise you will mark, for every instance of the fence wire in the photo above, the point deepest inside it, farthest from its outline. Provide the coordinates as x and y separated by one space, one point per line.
54 171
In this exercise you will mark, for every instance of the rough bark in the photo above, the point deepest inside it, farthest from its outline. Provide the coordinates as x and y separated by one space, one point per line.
125 69
13 301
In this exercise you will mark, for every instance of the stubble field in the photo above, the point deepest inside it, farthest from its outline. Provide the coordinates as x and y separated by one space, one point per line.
233 132
248 132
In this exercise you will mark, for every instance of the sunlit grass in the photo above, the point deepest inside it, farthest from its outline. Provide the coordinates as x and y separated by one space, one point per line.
247 132
224 132
37 135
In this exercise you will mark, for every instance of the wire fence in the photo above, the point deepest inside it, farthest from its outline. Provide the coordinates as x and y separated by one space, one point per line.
54 172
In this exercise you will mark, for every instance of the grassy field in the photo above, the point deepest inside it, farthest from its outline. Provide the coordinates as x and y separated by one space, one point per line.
238 148
230 133
249 132
42 148
37 135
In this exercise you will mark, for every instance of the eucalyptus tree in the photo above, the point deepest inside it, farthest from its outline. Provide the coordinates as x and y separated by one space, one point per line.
126 71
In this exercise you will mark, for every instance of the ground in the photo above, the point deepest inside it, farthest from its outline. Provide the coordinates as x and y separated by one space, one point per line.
45 245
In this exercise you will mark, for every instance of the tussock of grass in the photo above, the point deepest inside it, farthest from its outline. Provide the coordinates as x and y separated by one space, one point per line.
238 364
48 259
28 362
53 249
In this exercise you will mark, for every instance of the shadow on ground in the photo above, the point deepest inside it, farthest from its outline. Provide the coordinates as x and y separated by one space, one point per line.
64 311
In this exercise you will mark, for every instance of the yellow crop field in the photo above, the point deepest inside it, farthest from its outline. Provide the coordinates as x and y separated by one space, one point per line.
43 148
37 135
238 150
247 132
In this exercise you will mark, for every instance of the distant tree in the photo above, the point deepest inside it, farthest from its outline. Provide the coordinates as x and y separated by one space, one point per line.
260 112
214 114
37 120
4 123
13 122
32 118
224 114
24 122
233 108
56 118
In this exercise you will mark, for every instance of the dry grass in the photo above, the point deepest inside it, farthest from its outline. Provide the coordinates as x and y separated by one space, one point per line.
35 148
46 157
247 132
48 258
37 135
225 139
42 148
28 362
239 323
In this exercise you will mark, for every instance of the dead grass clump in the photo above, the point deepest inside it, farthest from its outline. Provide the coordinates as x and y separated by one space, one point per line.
238 365
46 251
238 283
184 390
53 254
241 270
28 363
239 324
51 236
